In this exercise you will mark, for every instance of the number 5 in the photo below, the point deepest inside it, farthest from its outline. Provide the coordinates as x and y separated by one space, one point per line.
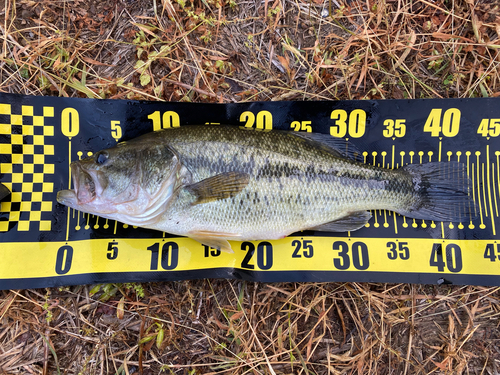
116 130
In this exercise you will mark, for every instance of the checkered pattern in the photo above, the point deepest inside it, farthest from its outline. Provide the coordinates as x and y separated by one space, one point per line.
24 146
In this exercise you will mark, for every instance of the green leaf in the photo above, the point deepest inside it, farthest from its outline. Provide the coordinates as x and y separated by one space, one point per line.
219 64
145 79
146 339
159 337
53 353
164 49
139 65
44 81
158 91
484 92
95 289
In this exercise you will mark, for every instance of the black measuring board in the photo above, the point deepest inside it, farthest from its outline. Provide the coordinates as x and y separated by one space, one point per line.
48 244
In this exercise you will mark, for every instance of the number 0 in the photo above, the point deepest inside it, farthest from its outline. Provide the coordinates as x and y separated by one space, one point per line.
64 259
451 122
70 122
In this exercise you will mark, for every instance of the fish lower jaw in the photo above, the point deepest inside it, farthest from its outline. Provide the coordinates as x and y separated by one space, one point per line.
67 197
70 199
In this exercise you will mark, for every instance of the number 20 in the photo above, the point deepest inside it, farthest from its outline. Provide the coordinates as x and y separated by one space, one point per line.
263 120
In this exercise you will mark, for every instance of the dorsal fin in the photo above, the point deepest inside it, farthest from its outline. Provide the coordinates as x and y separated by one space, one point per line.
338 146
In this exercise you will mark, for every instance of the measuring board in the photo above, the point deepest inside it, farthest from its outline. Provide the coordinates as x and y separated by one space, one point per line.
46 244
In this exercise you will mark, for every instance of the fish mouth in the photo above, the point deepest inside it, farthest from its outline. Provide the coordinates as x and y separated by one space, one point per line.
86 187
84 183
87 192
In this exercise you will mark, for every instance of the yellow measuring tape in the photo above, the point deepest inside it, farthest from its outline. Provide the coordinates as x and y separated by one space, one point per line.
46 244
400 256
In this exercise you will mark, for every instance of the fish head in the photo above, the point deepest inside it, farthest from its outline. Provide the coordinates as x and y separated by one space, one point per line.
124 180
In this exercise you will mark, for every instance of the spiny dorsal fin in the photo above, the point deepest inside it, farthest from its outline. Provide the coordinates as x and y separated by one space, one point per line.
221 186
338 146
351 222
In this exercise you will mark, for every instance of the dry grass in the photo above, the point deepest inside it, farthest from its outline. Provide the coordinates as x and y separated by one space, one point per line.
218 326
228 51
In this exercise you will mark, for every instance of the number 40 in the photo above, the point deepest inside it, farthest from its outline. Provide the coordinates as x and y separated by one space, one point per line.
448 126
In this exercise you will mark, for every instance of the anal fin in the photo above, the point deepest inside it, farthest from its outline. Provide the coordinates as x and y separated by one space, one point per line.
351 222
215 240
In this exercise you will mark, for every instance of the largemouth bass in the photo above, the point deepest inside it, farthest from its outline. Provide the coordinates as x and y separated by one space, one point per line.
220 183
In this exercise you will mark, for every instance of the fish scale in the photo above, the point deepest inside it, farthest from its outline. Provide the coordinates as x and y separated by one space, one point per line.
279 163
219 183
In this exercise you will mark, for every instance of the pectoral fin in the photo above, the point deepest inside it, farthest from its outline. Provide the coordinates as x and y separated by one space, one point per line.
351 222
215 240
221 186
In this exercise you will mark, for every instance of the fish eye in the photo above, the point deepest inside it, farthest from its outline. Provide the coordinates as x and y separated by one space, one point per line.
101 157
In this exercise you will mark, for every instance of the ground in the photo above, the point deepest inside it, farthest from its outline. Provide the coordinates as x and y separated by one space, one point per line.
228 51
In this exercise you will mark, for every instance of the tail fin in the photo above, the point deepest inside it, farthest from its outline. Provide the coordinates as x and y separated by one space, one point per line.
443 192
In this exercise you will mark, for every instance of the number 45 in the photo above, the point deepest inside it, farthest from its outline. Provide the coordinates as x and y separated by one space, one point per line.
489 127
